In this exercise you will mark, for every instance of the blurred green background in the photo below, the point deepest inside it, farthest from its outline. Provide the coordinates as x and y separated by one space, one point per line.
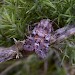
15 18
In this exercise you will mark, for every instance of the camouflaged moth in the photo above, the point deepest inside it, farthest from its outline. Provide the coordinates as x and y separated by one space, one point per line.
39 39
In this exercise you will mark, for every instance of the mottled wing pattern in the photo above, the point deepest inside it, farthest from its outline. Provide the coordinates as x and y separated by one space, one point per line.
40 38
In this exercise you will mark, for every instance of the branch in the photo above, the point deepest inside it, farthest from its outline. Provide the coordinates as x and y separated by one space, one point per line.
56 36
63 33
10 52
7 53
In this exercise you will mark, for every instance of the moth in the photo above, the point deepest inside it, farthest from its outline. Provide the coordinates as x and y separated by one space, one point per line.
39 39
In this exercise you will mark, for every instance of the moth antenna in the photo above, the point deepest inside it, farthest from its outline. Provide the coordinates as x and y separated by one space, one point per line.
14 40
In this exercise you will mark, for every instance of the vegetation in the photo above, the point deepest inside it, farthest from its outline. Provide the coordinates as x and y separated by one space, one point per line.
15 18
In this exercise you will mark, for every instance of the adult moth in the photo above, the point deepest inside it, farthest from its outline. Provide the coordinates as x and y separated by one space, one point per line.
39 39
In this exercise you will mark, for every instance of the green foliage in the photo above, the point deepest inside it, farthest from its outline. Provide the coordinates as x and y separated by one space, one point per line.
17 15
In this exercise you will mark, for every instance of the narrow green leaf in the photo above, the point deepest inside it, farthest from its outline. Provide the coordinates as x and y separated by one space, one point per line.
49 3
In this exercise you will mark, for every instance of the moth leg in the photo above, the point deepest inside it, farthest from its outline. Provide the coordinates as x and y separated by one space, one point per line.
18 54
19 47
